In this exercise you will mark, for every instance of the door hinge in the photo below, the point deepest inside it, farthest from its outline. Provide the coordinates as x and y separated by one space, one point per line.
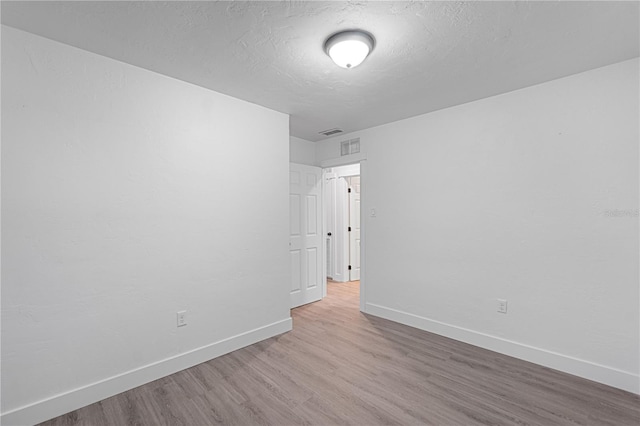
349 190
349 267
349 229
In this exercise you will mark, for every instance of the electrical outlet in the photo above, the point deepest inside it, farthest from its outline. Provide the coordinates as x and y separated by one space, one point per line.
182 318
502 306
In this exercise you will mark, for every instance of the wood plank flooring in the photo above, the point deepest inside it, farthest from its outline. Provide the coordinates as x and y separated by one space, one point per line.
339 367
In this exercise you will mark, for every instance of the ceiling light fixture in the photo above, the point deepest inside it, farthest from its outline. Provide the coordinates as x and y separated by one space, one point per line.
349 48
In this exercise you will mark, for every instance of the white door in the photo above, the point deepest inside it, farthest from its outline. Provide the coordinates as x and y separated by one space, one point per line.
305 233
341 235
354 229
330 221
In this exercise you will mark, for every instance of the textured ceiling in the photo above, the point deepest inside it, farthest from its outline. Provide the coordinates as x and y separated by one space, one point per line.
428 55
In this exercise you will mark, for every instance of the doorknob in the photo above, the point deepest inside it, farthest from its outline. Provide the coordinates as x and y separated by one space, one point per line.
329 234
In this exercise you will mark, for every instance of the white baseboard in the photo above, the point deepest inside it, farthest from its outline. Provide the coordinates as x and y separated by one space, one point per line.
81 397
578 367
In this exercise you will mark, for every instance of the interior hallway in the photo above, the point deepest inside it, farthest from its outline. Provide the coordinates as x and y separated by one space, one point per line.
339 366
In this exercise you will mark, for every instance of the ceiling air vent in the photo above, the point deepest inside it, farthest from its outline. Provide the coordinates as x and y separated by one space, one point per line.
330 132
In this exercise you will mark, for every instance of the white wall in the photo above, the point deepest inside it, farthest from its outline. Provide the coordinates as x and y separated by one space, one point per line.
302 151
126 197
512 197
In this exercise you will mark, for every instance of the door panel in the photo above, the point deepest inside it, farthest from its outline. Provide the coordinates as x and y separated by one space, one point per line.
294 214
312 268
312 215
296 270
305 239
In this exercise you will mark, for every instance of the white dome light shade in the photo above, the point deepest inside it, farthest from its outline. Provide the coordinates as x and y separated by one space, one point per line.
349 48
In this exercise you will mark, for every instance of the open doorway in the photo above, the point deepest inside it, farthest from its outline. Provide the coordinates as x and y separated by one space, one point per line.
342 189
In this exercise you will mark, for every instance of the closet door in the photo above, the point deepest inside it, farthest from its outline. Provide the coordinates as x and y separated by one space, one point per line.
305 233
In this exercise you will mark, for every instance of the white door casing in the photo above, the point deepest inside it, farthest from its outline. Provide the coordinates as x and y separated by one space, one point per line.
354 226
305 233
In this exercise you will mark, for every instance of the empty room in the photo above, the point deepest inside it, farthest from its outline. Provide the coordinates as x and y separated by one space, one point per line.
320 213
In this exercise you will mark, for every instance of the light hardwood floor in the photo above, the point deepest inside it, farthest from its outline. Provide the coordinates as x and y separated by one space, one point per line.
339 366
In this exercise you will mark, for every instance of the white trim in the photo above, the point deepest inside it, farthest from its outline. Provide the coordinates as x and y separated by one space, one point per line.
589 370
323 192
343 161
81 397
364 217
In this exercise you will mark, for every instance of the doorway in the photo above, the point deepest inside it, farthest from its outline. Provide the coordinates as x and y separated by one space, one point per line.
342 194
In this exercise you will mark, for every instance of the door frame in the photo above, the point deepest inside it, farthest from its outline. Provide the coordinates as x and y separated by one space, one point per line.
337 207
364 207
355 233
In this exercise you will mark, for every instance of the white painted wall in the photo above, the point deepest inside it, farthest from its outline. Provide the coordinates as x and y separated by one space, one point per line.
302 151
126 197
512 197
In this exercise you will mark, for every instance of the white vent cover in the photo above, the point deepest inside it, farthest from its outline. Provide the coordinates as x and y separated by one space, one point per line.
344 148
354 146
351 146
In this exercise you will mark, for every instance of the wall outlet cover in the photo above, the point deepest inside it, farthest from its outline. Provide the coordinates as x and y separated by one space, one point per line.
182 318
